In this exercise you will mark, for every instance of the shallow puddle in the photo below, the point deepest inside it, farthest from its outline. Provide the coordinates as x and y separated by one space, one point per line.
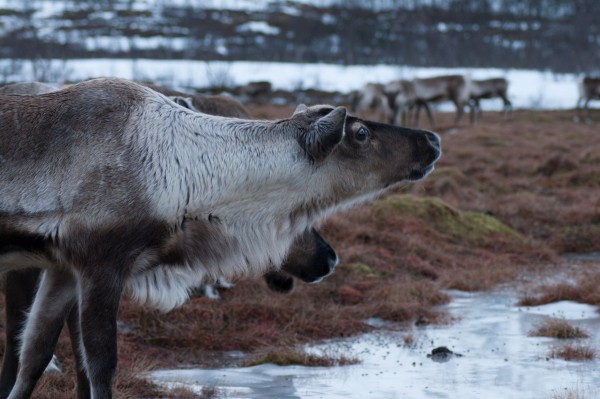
498 361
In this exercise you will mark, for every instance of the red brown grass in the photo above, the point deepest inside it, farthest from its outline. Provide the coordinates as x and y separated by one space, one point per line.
558 328
586 289
568 394
287 357
574 352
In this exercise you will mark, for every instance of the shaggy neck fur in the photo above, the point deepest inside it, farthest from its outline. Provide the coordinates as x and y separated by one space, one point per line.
236 192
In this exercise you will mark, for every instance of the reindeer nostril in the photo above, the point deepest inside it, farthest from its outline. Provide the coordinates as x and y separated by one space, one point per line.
433 139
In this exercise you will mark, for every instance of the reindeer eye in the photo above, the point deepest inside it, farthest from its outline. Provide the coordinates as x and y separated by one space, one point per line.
362 134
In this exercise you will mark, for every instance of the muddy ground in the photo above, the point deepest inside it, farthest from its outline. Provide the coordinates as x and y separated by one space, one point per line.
509 196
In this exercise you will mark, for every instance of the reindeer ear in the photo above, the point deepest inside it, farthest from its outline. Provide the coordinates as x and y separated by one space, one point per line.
300 108
185 102
324 134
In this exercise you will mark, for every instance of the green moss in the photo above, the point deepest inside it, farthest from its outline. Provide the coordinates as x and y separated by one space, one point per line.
361 269
467 226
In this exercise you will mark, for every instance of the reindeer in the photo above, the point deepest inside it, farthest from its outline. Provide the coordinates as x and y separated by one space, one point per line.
401 95
420 92
310 258
371 99
28 88
310 247
486 89
133 193
589 89
213 105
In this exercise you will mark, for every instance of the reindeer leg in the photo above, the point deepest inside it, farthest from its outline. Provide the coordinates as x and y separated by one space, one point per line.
429 113
394 116
507 104
100 290
474 111
577 117
20 287
586 108
55 298
83 384
411 115
459 110
417 115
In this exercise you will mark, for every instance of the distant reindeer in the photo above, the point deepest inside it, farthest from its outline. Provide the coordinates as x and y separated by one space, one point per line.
213 105
420 93
28 88
371 99
133 193
488 89
589 89
404 102
255 90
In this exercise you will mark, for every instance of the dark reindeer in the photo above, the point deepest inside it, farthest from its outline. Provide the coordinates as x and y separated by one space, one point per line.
132 193
589 89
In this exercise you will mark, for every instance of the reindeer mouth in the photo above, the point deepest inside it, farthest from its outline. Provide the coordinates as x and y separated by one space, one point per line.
416 175
432 151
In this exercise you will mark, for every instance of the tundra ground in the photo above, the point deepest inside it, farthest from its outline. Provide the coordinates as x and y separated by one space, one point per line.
508 197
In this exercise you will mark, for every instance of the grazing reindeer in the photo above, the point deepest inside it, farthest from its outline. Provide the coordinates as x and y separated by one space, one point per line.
371 99
132 193
486 89
420 92
403 98
310 258
589 89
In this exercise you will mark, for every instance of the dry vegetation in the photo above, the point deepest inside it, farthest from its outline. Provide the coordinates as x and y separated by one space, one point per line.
287 357
574 352
558 328
568 394
585 289
507 197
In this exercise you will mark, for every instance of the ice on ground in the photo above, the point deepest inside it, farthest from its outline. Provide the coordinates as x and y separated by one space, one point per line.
499 360
567 310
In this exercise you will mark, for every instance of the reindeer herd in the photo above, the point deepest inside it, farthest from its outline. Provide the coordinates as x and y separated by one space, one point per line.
400 102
